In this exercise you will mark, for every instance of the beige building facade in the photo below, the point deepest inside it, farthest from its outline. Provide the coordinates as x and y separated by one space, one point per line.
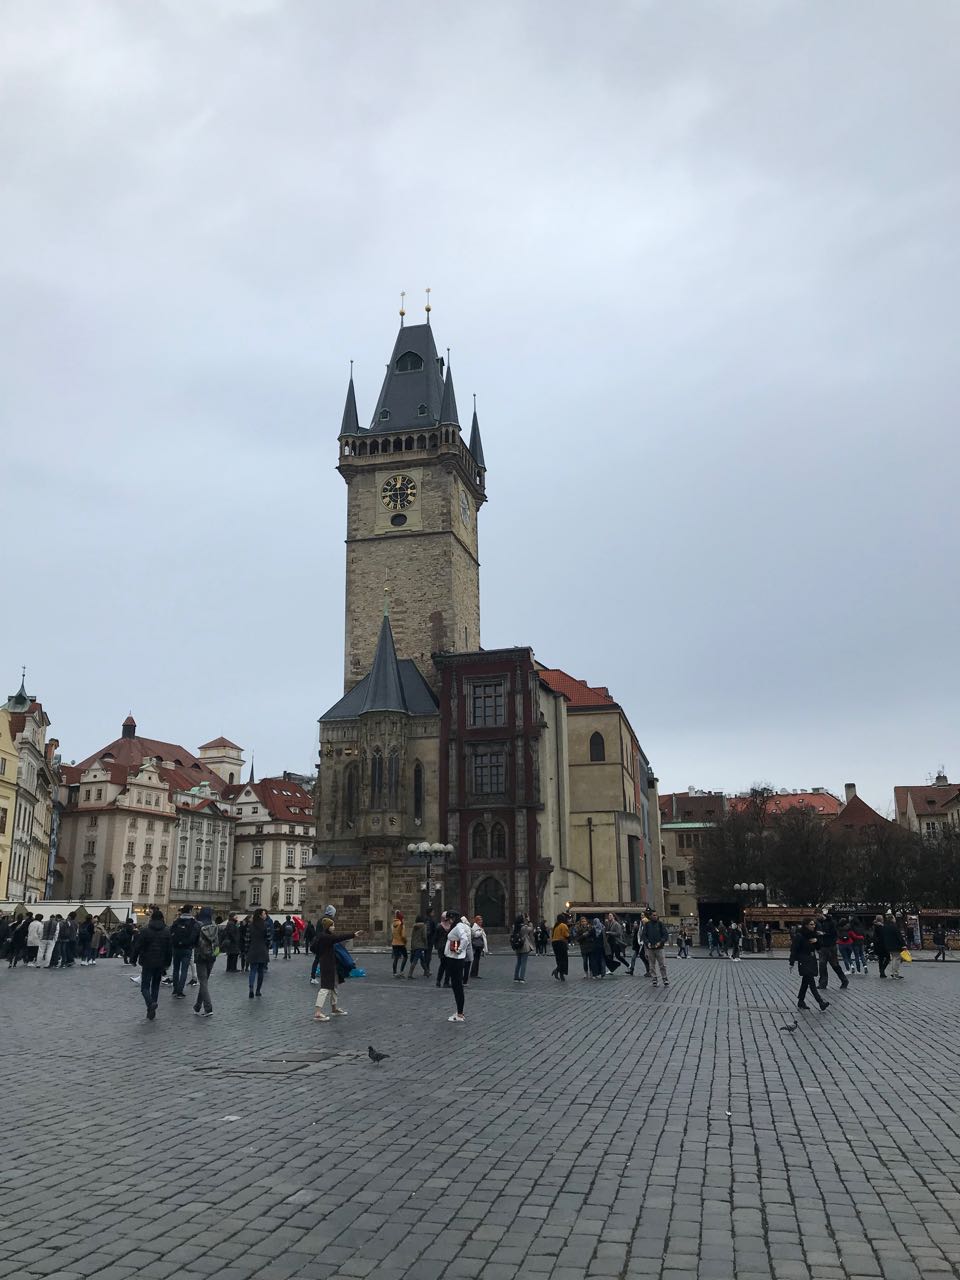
29 859
274 842
149 821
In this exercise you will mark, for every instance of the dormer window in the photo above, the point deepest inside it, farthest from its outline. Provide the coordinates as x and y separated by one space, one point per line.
422 411
384 415
409 362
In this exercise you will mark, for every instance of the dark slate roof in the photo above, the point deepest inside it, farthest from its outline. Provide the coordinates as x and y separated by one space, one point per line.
417 696
476 446
390 685
402 394
448 409
351 423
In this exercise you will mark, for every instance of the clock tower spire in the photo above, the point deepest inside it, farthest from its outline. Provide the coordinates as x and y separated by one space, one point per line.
414 489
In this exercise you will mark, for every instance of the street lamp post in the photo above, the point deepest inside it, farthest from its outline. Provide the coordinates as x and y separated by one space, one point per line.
430 853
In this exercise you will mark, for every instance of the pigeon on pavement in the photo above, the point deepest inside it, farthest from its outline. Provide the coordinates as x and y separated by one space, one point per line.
374 1056
791 1026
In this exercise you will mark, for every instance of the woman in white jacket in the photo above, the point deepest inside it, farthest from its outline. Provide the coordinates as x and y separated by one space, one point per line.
455 953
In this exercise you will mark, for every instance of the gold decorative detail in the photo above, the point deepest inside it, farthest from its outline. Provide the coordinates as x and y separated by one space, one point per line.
399 492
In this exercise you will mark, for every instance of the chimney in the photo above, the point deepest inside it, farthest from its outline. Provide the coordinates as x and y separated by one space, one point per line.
691 791
849 790
941 780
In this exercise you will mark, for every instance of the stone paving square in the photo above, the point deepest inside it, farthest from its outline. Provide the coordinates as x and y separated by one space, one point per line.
603 1129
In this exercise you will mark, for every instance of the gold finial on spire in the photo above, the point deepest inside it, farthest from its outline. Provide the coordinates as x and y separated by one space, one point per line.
403 298
428 307
386 602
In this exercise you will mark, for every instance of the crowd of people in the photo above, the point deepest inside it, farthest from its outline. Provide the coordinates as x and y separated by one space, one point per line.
184 953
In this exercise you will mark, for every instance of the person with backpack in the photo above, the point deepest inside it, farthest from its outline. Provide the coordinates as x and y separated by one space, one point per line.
655 938
154 951
939 940
639 950
48 941
521 943
287 932
183 938
204 955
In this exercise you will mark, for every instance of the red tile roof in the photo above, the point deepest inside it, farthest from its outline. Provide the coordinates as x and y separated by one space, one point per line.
577 692
856 815
219 742
928 799
285 801
680 806
824 802
129 754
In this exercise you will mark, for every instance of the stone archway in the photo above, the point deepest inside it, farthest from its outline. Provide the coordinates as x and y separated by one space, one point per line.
490 901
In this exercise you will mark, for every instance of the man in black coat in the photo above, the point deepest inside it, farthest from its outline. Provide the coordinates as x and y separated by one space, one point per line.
154 950
827 929
894 941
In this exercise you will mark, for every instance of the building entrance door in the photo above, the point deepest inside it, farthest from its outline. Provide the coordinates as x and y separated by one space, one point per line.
490 902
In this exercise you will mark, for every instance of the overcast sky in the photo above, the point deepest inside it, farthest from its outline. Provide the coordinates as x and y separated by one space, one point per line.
697 260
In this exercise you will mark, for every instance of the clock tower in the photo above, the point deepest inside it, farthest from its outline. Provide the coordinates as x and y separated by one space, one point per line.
414 489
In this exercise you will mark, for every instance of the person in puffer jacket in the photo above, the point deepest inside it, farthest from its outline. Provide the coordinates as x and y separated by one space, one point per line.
204 955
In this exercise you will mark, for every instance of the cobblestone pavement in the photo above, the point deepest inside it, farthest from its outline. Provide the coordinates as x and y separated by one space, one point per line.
596 1129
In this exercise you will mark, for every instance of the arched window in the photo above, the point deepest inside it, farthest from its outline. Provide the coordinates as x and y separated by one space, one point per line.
408 443
393 778
374 446
230 779
418 791
498 840
490 901
362 449
350 796
376 779
478 843
409 362
421 442
433 441
398 445
597 749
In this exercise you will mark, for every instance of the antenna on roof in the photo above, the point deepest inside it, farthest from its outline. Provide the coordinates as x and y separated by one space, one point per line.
351 370
403 296
428 307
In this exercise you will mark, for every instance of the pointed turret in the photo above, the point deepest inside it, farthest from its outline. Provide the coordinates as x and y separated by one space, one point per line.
413 387
384 691
448 409
252 779
476 445
351 423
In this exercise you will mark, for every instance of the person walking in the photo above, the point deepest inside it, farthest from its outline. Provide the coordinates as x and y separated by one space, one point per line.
153 950
183 938
894 940
523 946
880 946
418 948
204 956
456 947
560 941
443 973
398 941
324 947
713 947
258 951
735 939
845 945
939 939
598 966
767 938
682 944
478 940
829 956
639 950
287 937
85 940
431 925
655 938
244 942
803 954
230 942
614 942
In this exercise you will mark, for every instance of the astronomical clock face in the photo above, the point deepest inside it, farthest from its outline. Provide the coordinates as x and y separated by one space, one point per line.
464 507
398 493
